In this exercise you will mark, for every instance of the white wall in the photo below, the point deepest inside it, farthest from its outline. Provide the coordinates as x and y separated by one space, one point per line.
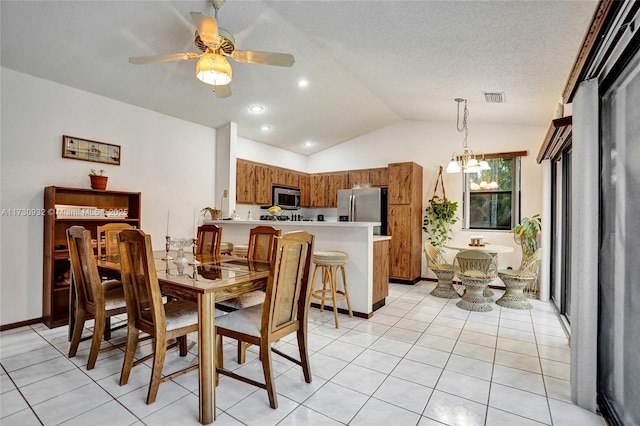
169 161
431 144
261 153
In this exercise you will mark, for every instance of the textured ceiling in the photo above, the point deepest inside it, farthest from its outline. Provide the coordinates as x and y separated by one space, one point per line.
368 63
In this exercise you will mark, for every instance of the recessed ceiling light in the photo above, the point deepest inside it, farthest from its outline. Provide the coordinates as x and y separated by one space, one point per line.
256 108
308 144
303 83
265 128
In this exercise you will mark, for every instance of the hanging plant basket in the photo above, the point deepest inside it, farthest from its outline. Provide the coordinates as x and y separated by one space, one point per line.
440 214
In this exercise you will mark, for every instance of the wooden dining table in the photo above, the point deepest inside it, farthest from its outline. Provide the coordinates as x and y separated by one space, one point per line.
214 279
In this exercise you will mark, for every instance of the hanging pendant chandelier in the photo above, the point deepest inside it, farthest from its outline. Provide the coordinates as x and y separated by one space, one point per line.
468 161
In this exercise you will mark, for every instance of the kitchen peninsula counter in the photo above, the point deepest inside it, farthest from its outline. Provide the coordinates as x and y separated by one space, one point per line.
355 238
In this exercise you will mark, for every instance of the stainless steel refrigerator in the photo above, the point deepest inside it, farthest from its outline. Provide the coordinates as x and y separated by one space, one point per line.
364 205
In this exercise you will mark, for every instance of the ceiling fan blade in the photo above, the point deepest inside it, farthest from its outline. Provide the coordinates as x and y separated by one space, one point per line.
266 58
223 91
207 29
144 60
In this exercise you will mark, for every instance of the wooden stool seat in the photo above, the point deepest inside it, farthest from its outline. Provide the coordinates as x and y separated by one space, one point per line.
329 262
241 250
226 247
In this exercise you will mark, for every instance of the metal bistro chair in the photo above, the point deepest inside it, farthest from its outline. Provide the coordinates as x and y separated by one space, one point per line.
102 299
444 272
284 312
516 280
146 311
476 269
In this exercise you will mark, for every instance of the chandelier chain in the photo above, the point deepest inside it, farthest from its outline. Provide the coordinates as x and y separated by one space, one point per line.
464 127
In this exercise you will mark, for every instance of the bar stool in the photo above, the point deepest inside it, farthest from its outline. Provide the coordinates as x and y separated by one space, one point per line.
226 247
329 262
241 250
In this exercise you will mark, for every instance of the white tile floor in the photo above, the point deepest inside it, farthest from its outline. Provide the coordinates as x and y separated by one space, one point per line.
420 360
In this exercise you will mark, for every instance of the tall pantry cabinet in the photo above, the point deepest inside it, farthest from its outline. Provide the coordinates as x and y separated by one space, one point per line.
405 222
65 207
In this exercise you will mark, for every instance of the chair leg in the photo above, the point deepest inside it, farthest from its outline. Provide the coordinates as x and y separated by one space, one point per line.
219 357
98 330
265 356
332 284
304 354
107 329
311 287
81 315
160 351
346 290
129 353
182 343
242 352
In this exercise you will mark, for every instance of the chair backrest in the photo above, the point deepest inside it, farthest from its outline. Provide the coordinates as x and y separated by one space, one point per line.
285 305
531 266
84 267
262 243
475 262
140 281
434 257
110 232
209 239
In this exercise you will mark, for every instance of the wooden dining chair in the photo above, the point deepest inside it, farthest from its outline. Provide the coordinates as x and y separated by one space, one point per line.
110 233
209 240
147 313
262 244
284 312
102 299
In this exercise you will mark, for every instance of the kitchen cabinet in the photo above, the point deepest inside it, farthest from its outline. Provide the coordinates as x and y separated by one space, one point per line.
358 177
336 181
284 177
318 190
380 273
379 176
263 185
305 194
405 222
245 182
110 207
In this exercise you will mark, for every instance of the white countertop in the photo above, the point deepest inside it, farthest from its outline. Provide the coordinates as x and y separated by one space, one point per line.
295 223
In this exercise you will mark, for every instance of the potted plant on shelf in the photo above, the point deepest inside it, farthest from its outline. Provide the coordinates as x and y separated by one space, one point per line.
213 212
98 181
525 234
440 214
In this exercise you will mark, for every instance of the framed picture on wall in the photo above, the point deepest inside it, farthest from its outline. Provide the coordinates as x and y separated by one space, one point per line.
88 150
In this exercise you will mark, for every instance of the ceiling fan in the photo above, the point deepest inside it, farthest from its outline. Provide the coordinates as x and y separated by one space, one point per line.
216 44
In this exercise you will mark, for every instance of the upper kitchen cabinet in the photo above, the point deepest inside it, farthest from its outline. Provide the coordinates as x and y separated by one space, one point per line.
305 193
336 181
318 190
284 177
405 182
263 185
358 177
379 176
245 182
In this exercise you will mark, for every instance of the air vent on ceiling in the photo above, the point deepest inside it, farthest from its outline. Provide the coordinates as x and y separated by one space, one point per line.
494 97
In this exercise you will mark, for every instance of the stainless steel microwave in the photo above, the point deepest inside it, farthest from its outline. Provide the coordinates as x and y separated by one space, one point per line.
286 198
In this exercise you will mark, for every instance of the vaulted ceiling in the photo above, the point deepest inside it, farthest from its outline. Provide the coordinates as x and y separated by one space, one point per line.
368 63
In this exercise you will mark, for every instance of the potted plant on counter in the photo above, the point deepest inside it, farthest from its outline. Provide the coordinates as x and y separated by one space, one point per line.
213 212
98 181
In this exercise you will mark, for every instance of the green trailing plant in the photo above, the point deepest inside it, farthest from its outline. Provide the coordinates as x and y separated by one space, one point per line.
525 233
440 214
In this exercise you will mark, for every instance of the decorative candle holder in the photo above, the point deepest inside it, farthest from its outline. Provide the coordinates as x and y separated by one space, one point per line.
194 261
180 244
167 247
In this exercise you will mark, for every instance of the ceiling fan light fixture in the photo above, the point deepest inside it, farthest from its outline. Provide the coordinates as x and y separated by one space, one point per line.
214 69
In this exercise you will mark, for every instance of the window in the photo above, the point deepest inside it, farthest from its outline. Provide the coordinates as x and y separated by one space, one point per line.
492 197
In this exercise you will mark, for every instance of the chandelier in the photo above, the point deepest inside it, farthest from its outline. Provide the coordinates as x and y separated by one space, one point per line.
467 162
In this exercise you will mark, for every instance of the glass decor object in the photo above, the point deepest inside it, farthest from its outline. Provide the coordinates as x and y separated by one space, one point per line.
180 244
